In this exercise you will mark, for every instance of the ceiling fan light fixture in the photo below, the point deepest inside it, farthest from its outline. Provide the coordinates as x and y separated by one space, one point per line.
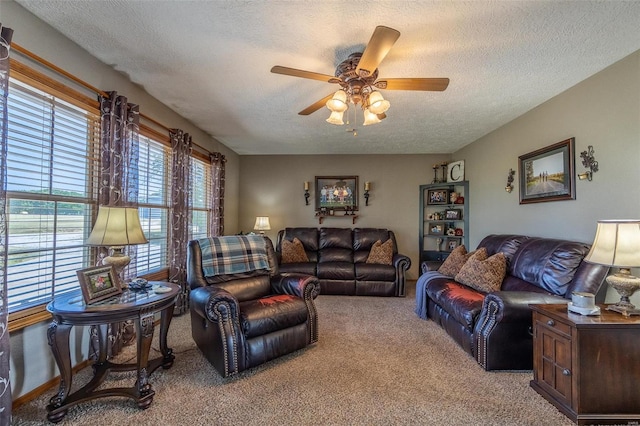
336 118
338 103
370 118
377 104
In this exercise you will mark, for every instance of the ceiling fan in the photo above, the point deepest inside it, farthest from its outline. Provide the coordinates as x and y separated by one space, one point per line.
358 79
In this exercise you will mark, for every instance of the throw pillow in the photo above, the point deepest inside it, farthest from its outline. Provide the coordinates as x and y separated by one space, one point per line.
381 253
458 257
293 251
482 273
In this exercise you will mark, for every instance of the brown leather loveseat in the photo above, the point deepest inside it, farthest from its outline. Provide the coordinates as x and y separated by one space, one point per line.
338 257
495 327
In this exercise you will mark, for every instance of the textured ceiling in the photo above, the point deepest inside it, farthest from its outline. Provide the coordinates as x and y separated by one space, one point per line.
209 61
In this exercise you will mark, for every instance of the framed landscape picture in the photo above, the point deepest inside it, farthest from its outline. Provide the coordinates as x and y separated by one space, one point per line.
98 283
337 193
547 174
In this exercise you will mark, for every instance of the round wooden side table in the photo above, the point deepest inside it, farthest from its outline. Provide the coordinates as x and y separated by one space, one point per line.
140 306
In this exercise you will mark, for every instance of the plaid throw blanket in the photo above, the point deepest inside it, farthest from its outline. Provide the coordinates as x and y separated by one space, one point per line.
233 254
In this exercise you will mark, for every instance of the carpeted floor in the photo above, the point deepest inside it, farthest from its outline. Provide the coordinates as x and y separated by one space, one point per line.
376 363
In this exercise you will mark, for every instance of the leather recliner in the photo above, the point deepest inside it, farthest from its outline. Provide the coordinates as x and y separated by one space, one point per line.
243 319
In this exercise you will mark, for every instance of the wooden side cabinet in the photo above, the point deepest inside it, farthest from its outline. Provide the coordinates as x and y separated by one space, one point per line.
587 366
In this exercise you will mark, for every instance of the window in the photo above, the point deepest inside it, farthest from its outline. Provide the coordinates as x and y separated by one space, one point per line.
51 171
153 201
200 199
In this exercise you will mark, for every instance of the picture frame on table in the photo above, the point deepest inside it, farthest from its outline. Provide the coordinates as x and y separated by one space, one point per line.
337 193
437 196
98 283
547 173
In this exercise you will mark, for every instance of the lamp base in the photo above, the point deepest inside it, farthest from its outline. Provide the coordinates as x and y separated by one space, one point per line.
626 285
117 259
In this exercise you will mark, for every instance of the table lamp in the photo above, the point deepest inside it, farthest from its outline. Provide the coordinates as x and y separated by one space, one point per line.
617 244
115 228
262 224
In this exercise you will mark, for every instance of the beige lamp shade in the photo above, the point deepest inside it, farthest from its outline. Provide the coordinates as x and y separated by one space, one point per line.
117 226
370 118
338 103
262 224
617 243
377 104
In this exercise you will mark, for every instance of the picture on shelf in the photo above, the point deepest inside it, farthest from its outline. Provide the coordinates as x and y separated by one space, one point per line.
438 196
453 214
452 243
436 228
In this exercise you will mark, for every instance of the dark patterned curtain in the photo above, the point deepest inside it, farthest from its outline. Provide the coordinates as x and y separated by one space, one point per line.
216 220
180 215
118 187
5 384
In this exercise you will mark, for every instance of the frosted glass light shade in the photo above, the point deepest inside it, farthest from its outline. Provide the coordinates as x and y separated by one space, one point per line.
262 224
370 118
377 104
339 102
117 226
617 243
336 118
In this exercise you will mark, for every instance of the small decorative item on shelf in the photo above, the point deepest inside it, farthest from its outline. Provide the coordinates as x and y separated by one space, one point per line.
438 243
459 232
435 173
453 197
331 212
451 232
443 166
459 200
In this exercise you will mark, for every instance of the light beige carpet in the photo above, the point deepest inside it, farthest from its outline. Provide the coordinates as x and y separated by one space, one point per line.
376 363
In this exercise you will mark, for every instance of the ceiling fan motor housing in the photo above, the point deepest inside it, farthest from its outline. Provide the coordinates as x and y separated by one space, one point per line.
356 86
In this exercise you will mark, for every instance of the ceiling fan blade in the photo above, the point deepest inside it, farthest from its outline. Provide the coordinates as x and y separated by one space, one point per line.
302 74
427 84
379 45
316 106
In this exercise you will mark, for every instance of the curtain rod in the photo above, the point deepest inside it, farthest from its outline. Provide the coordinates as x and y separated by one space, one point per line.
72 77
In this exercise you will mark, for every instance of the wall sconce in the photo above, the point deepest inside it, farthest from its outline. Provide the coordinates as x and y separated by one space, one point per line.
306 193
509 186
367 187
589 162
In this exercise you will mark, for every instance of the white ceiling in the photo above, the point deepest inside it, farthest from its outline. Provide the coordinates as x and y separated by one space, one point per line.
210 62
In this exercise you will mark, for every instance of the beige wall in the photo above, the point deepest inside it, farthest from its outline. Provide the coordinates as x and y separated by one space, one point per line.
273 186
602 111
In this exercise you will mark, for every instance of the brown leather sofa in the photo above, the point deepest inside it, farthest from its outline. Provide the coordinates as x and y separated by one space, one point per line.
337 256
495 327
243 319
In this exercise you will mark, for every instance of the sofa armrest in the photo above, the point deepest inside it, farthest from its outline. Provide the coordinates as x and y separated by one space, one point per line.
502 335
513 306
214 304
430 265
402 264
300 285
